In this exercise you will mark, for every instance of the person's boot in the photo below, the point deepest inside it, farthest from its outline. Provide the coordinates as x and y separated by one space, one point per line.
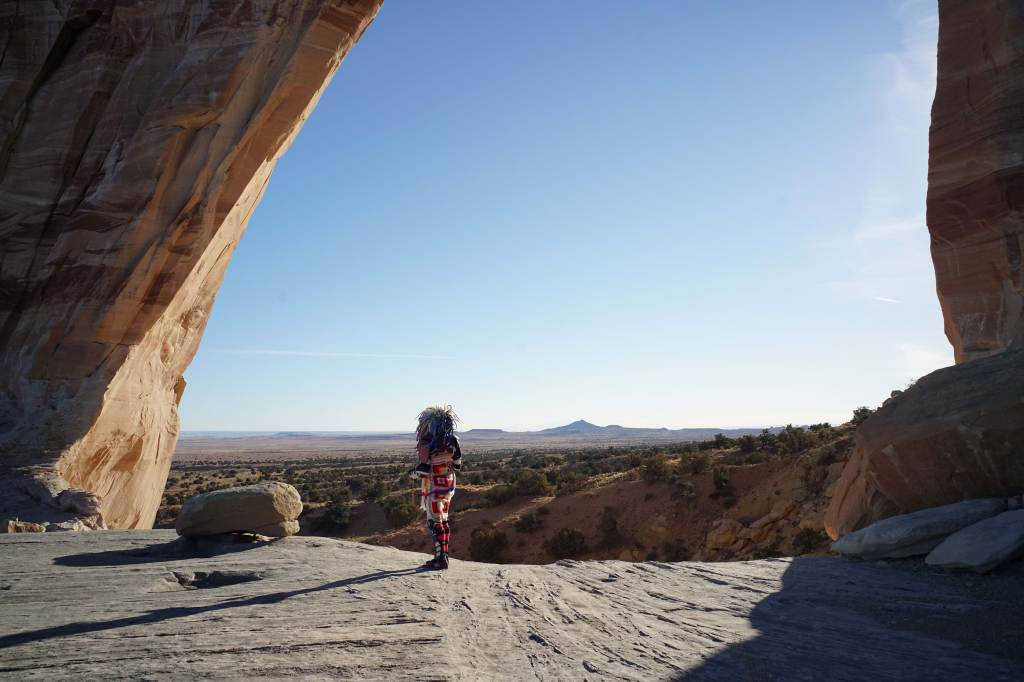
438 563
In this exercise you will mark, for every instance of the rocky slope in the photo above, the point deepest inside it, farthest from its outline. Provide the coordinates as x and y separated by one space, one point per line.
976 175
768 509
133 606
136 139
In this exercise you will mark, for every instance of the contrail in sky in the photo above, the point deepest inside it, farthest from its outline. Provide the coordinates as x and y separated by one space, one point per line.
329 354
883 299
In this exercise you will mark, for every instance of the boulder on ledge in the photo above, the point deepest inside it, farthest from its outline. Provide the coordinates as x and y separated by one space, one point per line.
265 509
982 546
917 533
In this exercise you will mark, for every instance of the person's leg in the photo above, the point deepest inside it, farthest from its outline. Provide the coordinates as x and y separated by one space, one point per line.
441 490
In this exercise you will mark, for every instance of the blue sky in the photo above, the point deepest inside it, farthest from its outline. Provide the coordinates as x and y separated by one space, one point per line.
673 213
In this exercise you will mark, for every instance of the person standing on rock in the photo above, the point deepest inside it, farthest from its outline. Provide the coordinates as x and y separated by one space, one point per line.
438 458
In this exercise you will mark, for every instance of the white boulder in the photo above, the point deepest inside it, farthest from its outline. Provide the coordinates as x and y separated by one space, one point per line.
984 545
915 533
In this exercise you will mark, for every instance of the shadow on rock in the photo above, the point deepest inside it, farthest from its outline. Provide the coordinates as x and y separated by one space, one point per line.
159 615
181 548
838 620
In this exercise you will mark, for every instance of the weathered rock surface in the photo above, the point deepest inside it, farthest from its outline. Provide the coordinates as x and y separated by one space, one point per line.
133 606
271 509
976 175
15 526
136 139
983 546
956 434
916 533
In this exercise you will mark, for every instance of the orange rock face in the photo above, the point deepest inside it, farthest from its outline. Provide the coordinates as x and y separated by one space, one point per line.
976 175
136 139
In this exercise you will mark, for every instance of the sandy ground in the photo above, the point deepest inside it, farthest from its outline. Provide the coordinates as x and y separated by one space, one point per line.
129 605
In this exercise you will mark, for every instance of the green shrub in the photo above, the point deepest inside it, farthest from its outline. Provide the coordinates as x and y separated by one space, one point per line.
829 455
696 462
530 483
655 469
683 489
528 523
566 544
570 483
376 490
400 512
723 486
794 439
722 441
499 494
809 540
813 479
608 527
337 513
747 443
860 414
487 543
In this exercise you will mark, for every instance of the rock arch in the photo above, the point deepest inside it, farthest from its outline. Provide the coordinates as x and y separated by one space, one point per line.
136 138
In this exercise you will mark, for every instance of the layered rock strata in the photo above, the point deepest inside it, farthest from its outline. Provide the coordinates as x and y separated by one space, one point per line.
136 139
976 175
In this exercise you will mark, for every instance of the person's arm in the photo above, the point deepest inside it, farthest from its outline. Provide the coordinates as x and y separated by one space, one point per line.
457 457
422 467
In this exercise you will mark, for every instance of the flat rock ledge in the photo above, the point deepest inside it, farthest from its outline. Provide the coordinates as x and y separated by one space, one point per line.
145 605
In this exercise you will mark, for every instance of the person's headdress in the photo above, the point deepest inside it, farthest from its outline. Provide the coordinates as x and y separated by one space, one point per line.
438 423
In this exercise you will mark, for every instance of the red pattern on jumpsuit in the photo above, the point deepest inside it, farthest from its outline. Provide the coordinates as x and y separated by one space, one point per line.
438 499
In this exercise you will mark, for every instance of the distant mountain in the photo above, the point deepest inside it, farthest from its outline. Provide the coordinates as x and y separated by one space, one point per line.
583 428
578 427
484 432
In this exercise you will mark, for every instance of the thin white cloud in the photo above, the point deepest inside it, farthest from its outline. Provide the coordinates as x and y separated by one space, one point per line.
890 228
910 71
885 252
329 354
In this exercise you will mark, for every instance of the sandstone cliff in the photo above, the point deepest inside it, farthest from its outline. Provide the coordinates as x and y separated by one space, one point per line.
136 139
976 175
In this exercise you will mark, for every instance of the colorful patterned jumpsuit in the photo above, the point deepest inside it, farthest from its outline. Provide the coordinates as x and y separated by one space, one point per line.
438 490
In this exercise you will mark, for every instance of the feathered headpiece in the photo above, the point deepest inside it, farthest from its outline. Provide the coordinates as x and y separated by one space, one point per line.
438 424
